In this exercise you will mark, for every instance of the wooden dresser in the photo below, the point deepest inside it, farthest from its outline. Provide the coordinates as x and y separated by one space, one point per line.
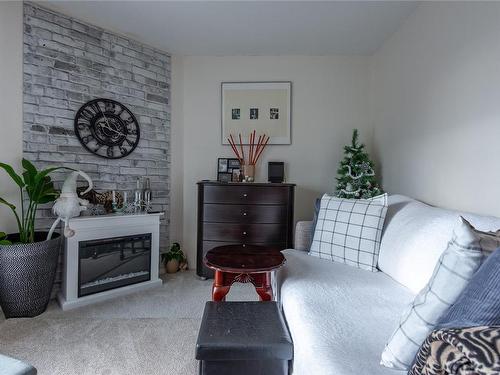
241 214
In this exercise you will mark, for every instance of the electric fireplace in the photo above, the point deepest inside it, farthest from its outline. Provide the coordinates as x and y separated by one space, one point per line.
113 262
109 255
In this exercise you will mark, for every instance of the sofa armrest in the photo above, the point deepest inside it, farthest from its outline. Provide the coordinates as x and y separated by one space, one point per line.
303 235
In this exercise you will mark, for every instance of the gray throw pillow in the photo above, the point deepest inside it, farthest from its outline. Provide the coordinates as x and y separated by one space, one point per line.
479 303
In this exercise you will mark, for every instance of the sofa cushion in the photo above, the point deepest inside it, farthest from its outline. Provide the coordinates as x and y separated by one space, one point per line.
456 266
479 303
415 235
349 230
339 316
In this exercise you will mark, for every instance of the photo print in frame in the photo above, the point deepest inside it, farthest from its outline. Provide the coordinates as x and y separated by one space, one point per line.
228 170
261 106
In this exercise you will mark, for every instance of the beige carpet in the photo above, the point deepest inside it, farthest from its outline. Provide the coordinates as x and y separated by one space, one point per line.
151 332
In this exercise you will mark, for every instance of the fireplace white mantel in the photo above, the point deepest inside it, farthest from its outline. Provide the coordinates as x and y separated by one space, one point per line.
103 227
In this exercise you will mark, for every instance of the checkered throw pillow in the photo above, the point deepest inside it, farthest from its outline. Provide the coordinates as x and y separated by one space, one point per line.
349 230
458 263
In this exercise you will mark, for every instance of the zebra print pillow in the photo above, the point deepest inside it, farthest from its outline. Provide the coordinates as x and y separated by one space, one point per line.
459 352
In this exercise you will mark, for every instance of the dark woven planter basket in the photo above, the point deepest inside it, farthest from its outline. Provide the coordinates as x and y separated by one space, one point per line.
27 274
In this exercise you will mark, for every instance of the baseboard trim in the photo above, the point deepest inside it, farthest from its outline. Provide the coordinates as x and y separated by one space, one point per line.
107 295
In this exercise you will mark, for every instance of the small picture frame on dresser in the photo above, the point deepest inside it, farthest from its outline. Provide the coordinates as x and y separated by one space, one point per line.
228 170
233 164
222 165
224 177
237 177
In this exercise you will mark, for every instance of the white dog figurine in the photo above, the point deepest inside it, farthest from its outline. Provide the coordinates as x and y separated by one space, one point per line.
69 205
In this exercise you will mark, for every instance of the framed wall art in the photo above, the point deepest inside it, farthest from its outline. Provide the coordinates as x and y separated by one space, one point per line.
265 107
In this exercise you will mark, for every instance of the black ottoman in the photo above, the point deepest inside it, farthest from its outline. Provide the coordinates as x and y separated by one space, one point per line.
243 338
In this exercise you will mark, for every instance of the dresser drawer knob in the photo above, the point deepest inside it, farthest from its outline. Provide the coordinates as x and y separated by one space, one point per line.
245 195
244 245
244 214
244 233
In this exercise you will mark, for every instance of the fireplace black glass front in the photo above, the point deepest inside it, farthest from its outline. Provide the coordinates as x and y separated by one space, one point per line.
113 263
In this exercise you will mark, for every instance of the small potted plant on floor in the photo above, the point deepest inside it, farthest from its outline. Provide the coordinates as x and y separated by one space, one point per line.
28 260
173 258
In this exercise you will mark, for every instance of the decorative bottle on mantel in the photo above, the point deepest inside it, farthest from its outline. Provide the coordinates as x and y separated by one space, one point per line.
138 196
146 195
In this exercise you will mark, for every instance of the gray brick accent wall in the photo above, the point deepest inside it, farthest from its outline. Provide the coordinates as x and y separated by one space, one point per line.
67 63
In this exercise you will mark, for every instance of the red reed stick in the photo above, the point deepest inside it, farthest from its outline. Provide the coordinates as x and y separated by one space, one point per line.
252 140
250 149
242 151
262 149
263 144
253 146
232 139
235 150
259 144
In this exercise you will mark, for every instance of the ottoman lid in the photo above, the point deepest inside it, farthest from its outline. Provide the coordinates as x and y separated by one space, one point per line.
243 331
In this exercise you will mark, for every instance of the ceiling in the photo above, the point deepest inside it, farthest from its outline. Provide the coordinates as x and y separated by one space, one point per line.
247 27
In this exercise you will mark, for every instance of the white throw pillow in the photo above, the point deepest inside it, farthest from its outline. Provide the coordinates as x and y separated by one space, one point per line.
463 256
349 230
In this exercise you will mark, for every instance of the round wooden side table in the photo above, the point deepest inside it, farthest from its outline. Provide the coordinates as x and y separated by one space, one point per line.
243 264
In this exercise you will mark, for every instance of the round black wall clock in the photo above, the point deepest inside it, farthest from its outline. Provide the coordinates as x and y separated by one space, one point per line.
107 128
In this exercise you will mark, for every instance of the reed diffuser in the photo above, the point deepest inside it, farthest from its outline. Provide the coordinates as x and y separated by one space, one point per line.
254 152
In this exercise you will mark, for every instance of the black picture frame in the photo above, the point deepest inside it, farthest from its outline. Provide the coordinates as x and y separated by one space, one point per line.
225 168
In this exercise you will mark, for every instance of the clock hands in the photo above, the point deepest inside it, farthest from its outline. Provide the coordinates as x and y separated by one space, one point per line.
109 128
102 113
107 122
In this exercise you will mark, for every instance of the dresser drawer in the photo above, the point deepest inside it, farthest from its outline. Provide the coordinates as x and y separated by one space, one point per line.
232 194
209 245
244 214
244 233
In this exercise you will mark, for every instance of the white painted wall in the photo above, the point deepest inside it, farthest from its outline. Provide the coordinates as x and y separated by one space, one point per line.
329 100
176 150
11 87
435 106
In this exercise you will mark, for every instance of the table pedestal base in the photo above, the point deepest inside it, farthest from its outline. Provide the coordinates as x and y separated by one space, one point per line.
223 281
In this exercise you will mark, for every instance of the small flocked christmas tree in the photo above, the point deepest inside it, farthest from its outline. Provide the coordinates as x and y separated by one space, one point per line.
356 175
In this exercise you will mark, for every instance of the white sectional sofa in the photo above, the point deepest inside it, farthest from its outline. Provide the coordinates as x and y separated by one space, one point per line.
341 317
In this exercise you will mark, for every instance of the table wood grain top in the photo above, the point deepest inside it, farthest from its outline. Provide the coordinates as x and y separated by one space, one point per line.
248 259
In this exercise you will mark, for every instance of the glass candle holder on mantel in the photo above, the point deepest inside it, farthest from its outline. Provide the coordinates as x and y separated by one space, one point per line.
128 204
142 195
117 207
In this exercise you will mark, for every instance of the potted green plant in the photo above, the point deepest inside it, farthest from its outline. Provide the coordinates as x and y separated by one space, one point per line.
173 258
28 260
